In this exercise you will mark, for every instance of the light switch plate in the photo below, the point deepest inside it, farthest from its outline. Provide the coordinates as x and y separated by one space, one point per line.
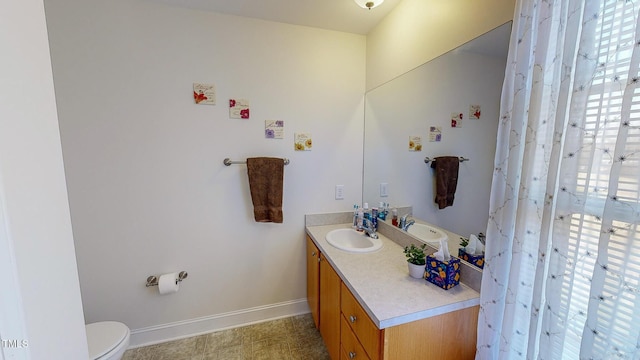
339 192
384 189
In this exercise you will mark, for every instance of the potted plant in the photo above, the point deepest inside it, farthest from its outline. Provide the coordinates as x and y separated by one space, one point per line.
416 259
464 242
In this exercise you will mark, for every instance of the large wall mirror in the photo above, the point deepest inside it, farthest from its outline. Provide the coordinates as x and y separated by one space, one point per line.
421 104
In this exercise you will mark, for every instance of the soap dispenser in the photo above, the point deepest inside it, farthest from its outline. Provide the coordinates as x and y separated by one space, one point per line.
394 217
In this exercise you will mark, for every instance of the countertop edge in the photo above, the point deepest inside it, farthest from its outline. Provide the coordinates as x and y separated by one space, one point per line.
428 313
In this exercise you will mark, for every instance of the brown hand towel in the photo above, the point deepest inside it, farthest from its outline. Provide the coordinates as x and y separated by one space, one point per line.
446 179
266 177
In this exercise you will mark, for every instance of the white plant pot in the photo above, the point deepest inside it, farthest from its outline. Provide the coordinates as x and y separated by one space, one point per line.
416 271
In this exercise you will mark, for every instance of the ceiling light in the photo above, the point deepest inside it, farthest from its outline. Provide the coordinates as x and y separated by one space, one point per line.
368 4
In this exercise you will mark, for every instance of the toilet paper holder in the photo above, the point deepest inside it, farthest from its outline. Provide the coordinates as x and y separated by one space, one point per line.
153 280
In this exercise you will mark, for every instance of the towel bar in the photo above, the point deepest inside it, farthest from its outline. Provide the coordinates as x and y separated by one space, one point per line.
228 162
428 160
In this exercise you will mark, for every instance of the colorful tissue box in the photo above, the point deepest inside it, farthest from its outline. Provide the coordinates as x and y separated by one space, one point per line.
444 274
477 260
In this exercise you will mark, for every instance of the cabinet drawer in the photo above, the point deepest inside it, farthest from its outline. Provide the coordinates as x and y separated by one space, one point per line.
358 321
351 348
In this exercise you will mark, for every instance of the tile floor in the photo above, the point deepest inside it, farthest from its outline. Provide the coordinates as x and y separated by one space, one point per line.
293 338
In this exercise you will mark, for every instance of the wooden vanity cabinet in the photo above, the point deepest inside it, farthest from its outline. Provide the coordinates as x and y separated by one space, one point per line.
349 333
345 327
447 336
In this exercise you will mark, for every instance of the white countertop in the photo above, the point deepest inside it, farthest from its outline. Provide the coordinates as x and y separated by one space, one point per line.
381 282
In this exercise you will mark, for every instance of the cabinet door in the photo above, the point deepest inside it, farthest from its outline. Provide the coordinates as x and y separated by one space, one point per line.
330 308
313 280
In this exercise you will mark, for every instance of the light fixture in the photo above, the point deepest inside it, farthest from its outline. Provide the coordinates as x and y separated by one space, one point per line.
368 4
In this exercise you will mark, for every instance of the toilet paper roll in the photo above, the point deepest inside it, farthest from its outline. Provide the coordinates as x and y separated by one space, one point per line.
168 283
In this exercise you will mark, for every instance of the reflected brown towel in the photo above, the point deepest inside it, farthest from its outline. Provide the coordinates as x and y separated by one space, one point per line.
266 177
446 179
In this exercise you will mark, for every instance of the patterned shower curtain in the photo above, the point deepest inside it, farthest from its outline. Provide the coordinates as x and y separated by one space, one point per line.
562 272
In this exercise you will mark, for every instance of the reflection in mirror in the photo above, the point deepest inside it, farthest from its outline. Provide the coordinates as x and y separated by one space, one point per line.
428 97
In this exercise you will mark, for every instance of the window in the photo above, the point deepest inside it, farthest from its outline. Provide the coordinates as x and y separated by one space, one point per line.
602 261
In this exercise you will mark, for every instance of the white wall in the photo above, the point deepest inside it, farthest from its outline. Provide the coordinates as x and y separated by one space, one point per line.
417 31
408 106
147 188
39 295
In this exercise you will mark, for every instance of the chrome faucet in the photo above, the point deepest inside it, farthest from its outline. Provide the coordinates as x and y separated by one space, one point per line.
403 224
369 229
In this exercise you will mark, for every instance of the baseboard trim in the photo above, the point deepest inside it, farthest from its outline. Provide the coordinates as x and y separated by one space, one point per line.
193 327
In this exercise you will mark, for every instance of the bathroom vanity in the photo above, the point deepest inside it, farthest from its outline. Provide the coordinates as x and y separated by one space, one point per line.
367 307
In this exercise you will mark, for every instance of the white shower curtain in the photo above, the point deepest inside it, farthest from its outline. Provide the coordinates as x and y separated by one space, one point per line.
562 272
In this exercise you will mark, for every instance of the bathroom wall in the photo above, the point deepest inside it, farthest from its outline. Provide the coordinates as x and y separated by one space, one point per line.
417 31
39 293
147 188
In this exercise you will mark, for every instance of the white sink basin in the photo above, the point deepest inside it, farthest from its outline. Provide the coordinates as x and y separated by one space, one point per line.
352 241
427 233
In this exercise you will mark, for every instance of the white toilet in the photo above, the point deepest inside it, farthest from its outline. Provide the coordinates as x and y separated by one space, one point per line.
108 340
